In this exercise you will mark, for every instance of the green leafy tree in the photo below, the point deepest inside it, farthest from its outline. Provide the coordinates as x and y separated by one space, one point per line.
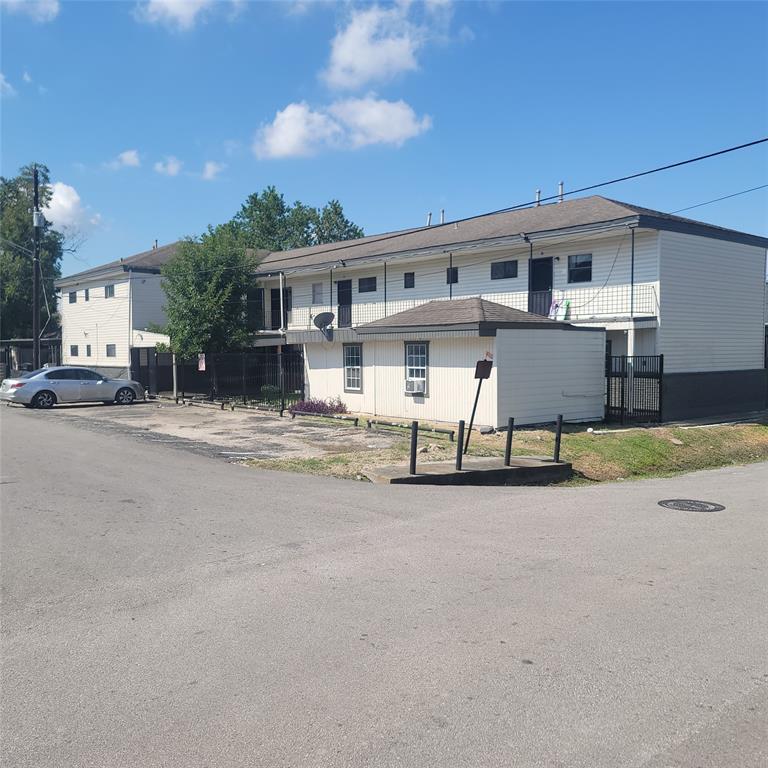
332 225
206 284
16 245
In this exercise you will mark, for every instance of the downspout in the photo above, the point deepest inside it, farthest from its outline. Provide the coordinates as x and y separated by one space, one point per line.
282 303
450 275
385 289
330 290
130 325
632 275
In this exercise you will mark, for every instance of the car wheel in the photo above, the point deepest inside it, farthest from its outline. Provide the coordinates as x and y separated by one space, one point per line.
44 399
125 396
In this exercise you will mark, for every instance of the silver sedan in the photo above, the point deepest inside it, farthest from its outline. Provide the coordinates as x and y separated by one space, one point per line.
66 384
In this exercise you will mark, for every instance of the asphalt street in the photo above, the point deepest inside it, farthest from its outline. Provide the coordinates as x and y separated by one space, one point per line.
167 608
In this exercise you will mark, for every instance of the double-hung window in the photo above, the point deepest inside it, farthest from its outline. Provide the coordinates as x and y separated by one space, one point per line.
416 362
109 291
111 350
502 270
366 285
317 294
73 350
353 367
73 297
580 268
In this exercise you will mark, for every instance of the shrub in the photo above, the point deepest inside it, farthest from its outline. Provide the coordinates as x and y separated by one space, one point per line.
316 405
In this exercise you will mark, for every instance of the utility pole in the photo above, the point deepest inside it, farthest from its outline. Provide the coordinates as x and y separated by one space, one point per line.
36 223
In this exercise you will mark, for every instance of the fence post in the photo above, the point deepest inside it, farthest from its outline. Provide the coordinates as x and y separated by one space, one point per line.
508 446
661 386
558 435
245 399
414 444
460 445
623 381
282 378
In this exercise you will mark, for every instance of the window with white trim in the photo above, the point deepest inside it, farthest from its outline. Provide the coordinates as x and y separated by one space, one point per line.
317 293
73 297
580 268
353 367
73 350
111 350
416 363
109 291
87 350
86 294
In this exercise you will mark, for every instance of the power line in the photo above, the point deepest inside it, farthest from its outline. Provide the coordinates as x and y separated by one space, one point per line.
718 199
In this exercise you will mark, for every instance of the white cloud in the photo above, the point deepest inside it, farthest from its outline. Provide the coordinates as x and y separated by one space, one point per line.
300 131
66 210
26 77
128 159
211 170
6 89
37 10
182 15
169 167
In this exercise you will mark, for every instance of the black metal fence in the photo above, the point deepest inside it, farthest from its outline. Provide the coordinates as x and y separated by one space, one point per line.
263 377
633 388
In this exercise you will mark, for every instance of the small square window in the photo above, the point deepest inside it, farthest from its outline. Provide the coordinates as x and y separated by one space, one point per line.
317 293
409 279
366 285
452 275
501 270
87 350
353 367
73 351
111 350
73 297
109 291
86 294
580 268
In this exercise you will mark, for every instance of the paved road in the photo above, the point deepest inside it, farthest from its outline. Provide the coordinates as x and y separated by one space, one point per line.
165 608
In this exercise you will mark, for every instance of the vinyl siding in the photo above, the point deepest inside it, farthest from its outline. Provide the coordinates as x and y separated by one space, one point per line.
546 372
148 300
712 304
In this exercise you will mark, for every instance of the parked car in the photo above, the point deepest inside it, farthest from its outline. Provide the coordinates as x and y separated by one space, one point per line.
45 387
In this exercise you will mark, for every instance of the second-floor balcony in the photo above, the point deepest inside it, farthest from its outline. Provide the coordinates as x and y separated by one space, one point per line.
613 302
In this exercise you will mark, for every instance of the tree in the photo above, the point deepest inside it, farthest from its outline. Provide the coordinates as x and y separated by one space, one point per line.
333 226
16 246
206 284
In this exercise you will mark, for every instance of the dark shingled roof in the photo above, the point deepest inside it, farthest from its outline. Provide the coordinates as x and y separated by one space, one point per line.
578 212
146 261
457 312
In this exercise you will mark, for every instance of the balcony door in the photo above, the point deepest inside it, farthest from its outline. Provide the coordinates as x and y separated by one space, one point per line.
540 286
344 292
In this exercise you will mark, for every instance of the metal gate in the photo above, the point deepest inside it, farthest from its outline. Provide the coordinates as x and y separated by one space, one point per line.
633 388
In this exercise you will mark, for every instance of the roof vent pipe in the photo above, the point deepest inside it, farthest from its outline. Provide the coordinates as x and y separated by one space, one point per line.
560 192
442 215
538 197
429 219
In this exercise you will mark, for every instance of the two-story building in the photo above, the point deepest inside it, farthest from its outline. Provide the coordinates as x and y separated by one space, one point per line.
109 310
658 284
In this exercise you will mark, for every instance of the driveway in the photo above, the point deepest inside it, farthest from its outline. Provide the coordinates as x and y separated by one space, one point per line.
165 608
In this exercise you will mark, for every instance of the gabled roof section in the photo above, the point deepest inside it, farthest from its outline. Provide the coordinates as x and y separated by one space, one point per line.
459 314
147 261
578 214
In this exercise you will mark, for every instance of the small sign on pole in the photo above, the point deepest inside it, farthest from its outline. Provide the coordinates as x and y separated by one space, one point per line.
201 361
482 372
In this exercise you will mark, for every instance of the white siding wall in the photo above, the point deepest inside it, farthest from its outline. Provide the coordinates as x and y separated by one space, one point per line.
712 304
543 373
451 383
148 300
98 322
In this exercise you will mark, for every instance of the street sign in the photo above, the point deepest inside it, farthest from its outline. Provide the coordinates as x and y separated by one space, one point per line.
483 369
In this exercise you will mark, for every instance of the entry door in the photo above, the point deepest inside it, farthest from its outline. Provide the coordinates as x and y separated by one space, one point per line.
344 291
274 309
540 287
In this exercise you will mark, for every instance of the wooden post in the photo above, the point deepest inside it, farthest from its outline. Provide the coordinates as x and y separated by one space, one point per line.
508 446
558 435
460 445
414 444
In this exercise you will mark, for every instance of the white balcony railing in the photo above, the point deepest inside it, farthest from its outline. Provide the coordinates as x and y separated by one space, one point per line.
614 301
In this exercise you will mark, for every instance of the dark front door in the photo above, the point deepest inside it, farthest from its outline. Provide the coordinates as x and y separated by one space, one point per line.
344 291
274 309
540 287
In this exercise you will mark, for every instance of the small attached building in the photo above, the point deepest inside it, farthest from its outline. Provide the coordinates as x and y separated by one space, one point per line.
420 364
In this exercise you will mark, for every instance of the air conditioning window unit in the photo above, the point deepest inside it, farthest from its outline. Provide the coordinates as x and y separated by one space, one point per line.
415 386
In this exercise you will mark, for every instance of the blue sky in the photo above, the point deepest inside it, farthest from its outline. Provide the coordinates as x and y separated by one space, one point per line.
159 118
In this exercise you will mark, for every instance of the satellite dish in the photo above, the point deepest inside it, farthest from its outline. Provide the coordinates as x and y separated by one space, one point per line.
323 320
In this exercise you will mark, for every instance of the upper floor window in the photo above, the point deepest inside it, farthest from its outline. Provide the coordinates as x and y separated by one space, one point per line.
409 279
366 285
501 270
73 350
452 275
86 294
317 293
353 367
87 350
580 268
111 350
109 291
72 297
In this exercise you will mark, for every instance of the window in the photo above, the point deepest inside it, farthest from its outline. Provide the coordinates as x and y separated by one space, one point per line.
63 374
501 270
73 350
580 268
452 275
85 375
87 350
353 367
109 291
416 361
317 293
254 309
409 280
73 297
111 350
86 294
366 285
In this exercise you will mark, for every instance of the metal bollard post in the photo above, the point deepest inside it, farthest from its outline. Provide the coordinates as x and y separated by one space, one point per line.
558 435
414 444
460 445
508 446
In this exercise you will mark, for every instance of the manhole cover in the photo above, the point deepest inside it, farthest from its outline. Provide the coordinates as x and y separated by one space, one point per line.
691 505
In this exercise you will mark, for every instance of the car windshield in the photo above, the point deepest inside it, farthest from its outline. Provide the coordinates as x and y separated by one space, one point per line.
30 374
